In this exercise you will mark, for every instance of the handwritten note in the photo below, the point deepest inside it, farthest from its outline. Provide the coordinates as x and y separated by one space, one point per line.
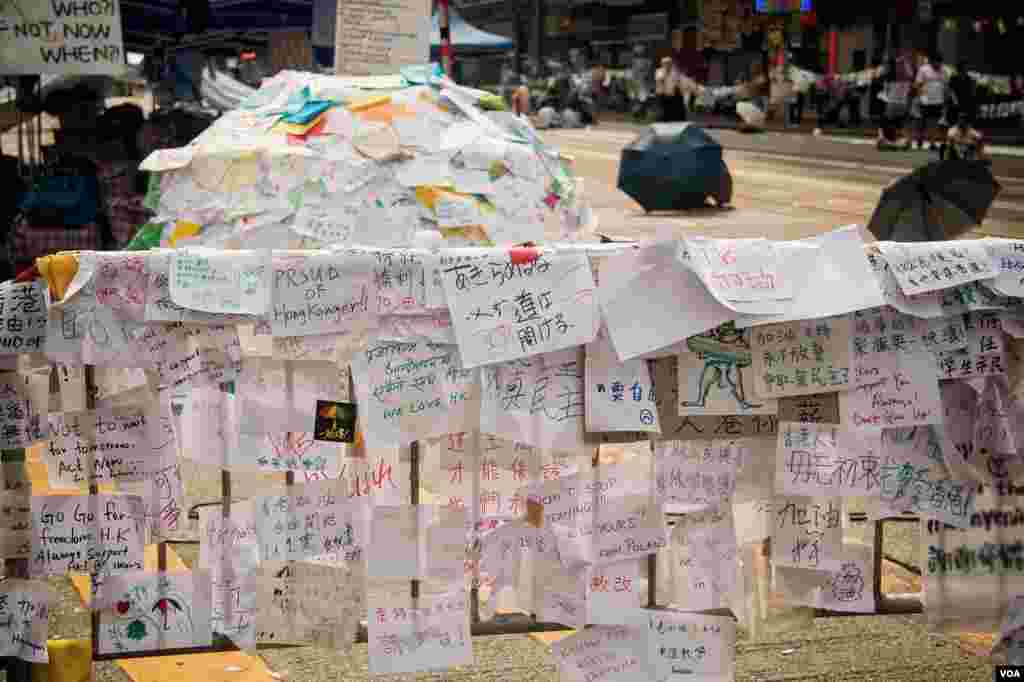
826 460
914 478
704 560
22 318
716 375
985 352
891 388
146 612
125 444
807 532
160 307
739 269
614 589
221 282
603 653
430 635
797 358
620 395
537 400
24 619
322 294
61 38
376 38
691 475
497 470
509 304
23 402
924 267
1009 257
121 284
683 645
86 534
331 599
414 390
310 522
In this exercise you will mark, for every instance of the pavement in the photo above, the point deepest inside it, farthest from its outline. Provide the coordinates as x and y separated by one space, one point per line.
786 186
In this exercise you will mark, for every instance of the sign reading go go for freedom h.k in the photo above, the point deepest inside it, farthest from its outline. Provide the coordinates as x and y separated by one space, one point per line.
61 37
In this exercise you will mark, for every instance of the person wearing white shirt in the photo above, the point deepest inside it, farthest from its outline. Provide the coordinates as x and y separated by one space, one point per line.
930 84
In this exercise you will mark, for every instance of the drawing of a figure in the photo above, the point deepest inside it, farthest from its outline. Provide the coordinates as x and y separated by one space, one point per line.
725 351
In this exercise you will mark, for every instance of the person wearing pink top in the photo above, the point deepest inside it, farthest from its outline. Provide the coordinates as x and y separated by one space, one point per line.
930 85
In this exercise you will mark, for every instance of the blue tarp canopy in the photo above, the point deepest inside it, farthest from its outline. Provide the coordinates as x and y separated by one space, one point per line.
466 36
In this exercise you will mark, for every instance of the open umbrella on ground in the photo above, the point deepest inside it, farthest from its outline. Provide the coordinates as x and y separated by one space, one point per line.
672 166
936 202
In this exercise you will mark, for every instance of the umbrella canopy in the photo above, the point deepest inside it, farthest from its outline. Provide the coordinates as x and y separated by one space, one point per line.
936 202
672 166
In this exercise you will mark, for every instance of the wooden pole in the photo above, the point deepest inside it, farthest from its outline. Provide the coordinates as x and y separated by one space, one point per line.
444 25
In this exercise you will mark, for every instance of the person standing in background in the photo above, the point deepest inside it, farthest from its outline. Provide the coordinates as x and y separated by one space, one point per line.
963 95
664 84
930 83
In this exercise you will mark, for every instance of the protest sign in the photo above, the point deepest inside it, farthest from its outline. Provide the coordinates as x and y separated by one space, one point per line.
61 37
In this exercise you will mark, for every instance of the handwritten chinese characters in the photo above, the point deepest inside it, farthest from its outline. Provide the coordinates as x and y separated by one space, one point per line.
24 619
512 304
221 282
692 475
797 358
22 318
620 395
924 267
807 532
827 460
537 400
985 352
426 636
310 522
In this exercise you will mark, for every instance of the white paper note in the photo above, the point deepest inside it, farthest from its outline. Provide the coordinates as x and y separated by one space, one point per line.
322 294
22 317
929 266
509 304
151 611
620 395
432 635
24 619
221 282
640 295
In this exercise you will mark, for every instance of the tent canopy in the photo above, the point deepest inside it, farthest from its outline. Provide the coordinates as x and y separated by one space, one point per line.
466 36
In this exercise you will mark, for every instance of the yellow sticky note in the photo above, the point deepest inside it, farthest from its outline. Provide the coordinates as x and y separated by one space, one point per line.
183 229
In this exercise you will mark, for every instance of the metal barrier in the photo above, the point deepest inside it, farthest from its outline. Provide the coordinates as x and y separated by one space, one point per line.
502 624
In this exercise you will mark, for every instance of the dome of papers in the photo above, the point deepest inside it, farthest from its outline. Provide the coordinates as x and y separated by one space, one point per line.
311 160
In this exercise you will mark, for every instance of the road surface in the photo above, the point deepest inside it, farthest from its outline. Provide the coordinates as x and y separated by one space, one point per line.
785 186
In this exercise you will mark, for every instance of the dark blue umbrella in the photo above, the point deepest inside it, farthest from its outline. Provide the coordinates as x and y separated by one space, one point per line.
672 166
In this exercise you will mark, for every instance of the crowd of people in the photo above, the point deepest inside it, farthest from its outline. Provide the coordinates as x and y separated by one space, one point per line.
942 109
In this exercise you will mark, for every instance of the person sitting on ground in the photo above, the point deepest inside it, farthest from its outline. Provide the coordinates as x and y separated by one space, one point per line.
964 142
521 99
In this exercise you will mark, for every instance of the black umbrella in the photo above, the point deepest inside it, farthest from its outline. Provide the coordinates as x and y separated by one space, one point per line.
936 202
673 166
